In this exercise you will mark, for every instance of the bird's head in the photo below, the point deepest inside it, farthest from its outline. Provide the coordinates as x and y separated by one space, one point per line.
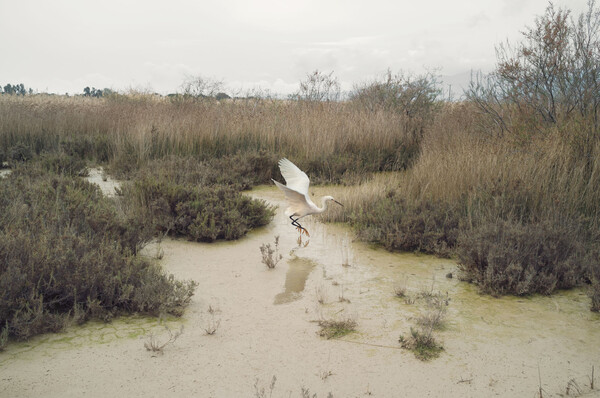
331 199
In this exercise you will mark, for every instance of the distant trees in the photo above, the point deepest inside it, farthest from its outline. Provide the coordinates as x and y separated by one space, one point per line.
93 92
550 76
222 96
16 89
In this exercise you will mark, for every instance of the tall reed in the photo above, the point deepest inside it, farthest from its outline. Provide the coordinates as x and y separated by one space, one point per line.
329 138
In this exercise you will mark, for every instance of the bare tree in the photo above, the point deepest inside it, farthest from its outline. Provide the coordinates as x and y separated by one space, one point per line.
403 93
551 74
318 87
201 87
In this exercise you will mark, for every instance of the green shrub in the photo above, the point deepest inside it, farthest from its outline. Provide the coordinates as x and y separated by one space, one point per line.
507 257
595 295
66 252
593 259
61 163
426 227
202 213
20 153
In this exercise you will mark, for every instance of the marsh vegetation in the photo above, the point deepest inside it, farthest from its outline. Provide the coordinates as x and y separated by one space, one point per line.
506 180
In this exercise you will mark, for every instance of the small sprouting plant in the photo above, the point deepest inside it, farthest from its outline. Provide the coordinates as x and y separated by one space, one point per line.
324 374
270 256
333 329
342 298
400 289
212 325
153 344
435 317
260 392
321 293
422 343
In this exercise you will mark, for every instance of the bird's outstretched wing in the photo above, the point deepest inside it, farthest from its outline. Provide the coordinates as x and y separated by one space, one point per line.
295 178
296 200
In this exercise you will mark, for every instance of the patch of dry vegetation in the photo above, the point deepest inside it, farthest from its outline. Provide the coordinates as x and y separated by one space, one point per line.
68 254
270 256
333 329
127 131
508 184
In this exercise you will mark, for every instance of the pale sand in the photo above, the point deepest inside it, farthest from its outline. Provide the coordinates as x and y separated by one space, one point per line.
493 347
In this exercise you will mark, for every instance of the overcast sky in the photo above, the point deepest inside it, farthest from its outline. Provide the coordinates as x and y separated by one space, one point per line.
64 45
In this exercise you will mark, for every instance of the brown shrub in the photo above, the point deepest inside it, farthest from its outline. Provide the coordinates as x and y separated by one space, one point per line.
67 253
426 227
507 257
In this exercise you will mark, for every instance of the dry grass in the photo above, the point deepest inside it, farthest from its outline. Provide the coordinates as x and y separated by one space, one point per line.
270 256
326 139
154 344
333 329
422 343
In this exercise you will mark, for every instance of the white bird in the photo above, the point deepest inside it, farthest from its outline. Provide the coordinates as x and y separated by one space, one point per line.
296 193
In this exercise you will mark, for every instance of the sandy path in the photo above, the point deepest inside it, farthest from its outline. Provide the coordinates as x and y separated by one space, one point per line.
493 347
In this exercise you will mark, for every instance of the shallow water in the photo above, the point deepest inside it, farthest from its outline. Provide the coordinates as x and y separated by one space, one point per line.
107 185
295 280
267 327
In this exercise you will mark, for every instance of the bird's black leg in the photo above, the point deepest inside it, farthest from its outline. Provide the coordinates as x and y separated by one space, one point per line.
296 224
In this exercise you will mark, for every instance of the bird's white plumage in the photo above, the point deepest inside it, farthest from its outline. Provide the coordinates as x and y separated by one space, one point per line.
299 203
295 178
296 193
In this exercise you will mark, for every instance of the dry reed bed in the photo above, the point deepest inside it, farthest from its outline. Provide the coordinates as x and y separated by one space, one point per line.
328 136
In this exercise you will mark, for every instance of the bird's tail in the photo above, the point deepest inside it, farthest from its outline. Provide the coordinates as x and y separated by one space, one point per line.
279 185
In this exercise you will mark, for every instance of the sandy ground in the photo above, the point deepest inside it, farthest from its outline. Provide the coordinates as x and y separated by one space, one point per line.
265 317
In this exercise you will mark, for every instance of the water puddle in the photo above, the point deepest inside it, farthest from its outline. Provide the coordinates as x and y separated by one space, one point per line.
107 185
295 280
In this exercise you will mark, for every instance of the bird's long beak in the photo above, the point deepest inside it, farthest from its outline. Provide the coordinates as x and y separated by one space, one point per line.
337 202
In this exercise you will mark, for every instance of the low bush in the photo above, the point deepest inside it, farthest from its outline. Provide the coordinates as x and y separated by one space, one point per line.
202 213
66 252
509 257
396 225
20 153
595 295
61 163
270 256
593 259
